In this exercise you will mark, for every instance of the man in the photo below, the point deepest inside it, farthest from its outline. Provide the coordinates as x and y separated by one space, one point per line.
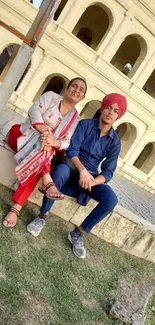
94 143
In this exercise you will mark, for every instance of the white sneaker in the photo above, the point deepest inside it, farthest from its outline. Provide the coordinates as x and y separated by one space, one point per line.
35 226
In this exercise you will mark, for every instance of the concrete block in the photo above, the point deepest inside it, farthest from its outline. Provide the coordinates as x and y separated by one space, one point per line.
134 218
147 188
119 172
140 242
19 111
82 212
117 229
7 170
64 208
11 106
140 184
133 180
98 228
130 301
151 255
127 176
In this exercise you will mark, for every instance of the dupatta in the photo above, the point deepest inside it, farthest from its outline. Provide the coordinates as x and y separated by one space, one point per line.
34 163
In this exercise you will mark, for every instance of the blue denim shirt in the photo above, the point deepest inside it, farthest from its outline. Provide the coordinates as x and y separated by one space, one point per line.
93 149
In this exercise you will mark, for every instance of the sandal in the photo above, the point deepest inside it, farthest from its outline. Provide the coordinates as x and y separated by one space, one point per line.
44 191
16 212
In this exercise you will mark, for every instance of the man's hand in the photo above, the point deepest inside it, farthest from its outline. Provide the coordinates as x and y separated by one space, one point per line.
86 180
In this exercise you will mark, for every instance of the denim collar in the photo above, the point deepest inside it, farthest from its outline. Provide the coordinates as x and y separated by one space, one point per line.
97 127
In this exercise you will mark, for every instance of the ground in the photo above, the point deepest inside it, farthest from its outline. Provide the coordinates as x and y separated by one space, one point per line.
42 283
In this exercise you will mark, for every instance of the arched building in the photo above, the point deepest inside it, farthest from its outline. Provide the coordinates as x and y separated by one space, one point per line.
109 43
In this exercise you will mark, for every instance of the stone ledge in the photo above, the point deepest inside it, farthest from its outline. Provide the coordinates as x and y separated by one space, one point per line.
121 228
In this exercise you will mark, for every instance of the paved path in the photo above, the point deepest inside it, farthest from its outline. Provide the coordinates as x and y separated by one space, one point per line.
130 196
134 198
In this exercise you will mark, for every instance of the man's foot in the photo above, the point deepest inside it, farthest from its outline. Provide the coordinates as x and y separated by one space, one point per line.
51 192
76 239
35 227
10 219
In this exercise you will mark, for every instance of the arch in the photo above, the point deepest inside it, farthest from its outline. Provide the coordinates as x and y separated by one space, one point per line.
6 58
127 133
90 109
60 8
149 86
93 25
146 159
130 54
56 83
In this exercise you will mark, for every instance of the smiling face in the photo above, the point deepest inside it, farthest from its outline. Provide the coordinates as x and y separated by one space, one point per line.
76 91
109 114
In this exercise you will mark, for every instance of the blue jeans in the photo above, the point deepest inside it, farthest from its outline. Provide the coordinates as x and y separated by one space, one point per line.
67 182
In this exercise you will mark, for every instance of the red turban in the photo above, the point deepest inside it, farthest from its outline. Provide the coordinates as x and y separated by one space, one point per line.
111 99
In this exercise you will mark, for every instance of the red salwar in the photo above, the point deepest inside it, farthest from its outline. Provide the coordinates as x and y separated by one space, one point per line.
22 193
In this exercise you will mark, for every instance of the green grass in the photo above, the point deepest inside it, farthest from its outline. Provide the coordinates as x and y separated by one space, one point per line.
42 283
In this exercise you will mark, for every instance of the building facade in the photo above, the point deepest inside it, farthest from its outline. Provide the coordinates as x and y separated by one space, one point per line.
109 43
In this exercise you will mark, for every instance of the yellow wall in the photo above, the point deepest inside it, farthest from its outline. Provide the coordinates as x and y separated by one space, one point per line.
60 52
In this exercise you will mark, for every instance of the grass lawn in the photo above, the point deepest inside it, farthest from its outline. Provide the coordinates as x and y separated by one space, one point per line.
42 283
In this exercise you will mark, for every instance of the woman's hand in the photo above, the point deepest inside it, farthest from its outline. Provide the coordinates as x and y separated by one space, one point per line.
48 140
46 151
42 128
86 180
45 143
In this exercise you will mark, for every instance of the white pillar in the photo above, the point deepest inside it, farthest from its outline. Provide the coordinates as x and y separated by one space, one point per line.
146 71
118 37
139 147
73 15
37 79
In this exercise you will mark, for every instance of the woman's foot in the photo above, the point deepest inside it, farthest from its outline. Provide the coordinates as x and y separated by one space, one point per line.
51 192
10 219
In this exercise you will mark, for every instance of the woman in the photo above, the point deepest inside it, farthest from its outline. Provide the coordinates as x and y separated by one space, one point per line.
51 114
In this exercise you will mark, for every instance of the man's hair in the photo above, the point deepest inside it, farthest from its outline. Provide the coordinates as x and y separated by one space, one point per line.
78 78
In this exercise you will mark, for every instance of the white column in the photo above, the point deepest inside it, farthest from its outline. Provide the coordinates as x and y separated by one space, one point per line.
146 71
118 36
75 11
139 147
37 79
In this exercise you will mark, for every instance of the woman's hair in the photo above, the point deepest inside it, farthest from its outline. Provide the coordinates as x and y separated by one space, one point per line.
78 78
